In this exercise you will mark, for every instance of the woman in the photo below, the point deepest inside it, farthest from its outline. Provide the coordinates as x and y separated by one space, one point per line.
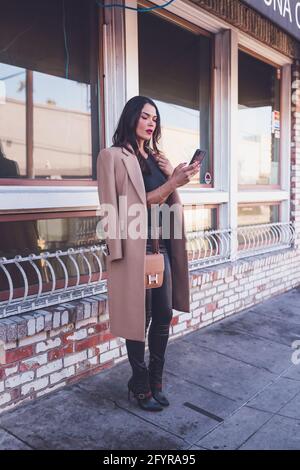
133 173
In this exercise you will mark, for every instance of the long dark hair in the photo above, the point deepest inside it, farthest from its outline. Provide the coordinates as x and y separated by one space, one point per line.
125 132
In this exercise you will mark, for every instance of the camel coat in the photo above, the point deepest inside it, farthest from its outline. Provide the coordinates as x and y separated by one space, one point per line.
119 173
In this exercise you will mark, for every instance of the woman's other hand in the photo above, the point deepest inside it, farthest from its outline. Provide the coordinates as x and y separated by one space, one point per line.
164 164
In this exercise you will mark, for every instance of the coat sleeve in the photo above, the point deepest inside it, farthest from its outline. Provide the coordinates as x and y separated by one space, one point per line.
108 195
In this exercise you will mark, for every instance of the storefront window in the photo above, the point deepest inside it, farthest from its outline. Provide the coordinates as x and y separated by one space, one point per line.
256 214
62 128
175 71
45 90
258 122
12 121
199 217
47 233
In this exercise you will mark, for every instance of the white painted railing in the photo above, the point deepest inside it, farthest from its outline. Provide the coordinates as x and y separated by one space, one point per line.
63 276
41 270
211 247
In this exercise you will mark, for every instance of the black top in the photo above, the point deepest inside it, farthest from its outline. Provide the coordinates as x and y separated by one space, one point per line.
152 181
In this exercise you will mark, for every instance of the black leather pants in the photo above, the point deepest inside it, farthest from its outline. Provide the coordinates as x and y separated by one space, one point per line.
159 310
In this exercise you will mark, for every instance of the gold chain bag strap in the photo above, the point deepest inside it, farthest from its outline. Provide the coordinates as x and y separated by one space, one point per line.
154 266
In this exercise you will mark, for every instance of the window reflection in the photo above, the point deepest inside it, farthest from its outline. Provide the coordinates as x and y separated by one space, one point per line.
175 71
200 218
12 121
62 128
61 117
258 214
36 236
258 122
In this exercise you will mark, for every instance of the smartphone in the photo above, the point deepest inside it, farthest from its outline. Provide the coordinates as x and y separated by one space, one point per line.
199 156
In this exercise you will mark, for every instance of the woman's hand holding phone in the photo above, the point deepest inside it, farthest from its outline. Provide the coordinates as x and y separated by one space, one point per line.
183 173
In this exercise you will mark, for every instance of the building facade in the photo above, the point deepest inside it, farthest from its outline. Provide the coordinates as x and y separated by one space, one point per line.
226 78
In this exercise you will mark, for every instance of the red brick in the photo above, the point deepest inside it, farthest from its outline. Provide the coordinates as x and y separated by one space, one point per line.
174 320
88 342
60 352
106 337
18 354
210 307
101 326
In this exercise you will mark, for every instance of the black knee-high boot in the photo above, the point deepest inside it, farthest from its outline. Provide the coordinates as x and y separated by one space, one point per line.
157 340
138 384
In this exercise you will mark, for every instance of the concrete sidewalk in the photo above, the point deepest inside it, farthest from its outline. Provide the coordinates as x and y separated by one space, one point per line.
232 385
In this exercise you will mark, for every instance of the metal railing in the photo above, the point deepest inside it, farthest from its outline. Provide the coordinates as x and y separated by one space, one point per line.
38 281
212 247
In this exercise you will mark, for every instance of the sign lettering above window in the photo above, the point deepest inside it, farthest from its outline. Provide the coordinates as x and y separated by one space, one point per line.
284 13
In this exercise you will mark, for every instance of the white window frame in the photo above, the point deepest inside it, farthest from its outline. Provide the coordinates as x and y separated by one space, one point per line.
227 41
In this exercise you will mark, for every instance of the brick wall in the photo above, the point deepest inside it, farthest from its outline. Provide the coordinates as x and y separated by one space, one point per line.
48 349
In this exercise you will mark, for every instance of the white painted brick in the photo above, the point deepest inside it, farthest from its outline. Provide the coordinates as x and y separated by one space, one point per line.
5 398
63 329
233 284
223 302
30 325
219 312
90 352
123 350
91 331
17 380
49 368
178 328
104 317
36 385
194 305
77 335
86 322
229 292
228 308
49 344
222 288
93 360
103 347
6 346
211 291
63 374
41 359
51 389
33 339
233 298
11 370
195 321
56 319
198 295
1 386
217 297
40 323
109 355
65 318
184 317
206 316
70 360
244 295
114 343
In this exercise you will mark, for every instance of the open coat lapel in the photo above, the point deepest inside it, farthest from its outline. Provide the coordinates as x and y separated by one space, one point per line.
133 168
